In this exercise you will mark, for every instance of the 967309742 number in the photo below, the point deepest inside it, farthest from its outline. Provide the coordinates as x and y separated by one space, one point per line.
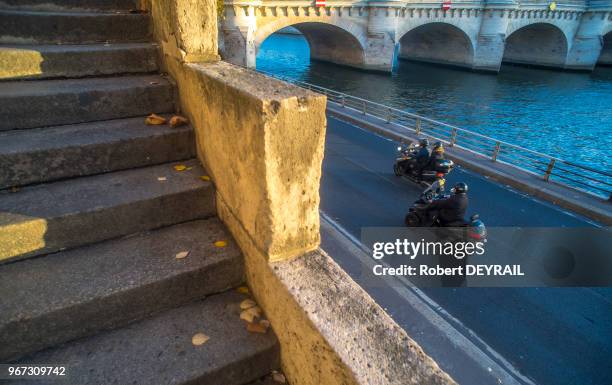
23 371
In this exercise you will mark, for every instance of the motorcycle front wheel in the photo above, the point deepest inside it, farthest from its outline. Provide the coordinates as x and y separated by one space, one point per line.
397 169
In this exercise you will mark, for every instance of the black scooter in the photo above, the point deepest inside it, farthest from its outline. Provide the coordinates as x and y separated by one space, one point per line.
419 216
405 166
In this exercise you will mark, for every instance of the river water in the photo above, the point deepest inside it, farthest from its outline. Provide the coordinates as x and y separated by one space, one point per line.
564 114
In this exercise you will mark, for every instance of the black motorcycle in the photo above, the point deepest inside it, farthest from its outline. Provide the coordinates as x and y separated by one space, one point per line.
419 216
405 166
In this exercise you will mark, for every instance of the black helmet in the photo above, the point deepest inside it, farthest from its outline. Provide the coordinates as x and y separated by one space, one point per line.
424 142
460 188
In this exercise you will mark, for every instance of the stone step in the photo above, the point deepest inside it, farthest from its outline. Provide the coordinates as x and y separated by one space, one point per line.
50 217
61 152
69 5
159 350
40 103
26 27
75 61
77 293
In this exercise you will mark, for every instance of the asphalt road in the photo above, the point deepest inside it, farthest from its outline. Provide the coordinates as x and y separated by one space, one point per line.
553 336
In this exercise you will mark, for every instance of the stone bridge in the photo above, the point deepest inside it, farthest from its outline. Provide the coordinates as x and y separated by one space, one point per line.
479 35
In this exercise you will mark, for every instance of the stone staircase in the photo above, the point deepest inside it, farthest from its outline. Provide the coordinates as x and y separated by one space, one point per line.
92 211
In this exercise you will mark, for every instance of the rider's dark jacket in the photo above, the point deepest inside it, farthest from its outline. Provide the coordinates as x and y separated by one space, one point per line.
422 157
451 209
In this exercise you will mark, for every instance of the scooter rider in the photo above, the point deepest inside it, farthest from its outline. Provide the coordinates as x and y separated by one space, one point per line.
437 154
422 157
452 210
435 189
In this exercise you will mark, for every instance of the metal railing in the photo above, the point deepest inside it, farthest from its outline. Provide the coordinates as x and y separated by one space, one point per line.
547 167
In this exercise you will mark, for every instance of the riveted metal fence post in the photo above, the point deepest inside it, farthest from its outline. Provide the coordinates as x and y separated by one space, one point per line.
453 138
343 101
364 107
418 126
496 151
388 115
549 169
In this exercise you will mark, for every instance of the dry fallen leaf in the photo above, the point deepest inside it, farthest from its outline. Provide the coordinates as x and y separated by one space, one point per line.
205 178
199 339
180 167
279 377
247 304
177 121
258 327
181 255
255 310
220 243
249 315
155 120
243 290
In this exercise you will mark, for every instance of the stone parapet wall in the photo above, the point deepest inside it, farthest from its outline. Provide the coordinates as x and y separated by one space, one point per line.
262 141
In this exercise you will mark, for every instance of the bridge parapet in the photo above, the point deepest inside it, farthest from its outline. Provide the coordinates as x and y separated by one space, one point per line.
600 5
477 35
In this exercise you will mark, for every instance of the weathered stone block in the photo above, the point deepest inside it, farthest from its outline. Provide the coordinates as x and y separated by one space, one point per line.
262 142
186 29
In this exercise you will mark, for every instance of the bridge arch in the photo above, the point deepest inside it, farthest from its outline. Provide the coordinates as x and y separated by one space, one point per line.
339 42
437 42
541 44
605 57
268 28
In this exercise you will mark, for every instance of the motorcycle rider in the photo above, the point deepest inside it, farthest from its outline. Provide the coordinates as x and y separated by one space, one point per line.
451 210
435 189
437 154
422 157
